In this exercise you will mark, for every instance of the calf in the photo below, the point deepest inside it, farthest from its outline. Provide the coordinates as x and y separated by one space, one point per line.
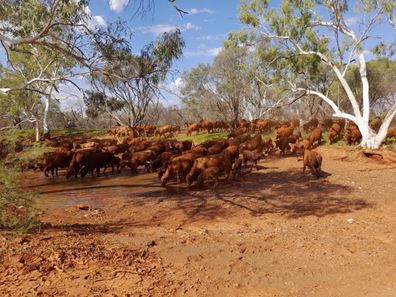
251 156
283 144
313 160
352 134
268 146
237 167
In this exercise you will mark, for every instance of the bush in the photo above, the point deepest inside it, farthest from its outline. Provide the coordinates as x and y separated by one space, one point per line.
16 205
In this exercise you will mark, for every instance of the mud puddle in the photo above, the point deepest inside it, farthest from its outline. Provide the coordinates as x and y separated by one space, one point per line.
58 193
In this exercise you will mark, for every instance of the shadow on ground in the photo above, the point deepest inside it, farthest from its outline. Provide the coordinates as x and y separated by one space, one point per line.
287 193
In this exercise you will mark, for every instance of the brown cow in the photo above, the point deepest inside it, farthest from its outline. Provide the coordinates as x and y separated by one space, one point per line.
220 161
238 132
179 166
326 123
53 161
284 131
233 152
216 148
193 128
77 161
206 125
256 144
334 132
315 137
164 130
138 159
352 133
211 173
391 132
311 124
283 144
96 160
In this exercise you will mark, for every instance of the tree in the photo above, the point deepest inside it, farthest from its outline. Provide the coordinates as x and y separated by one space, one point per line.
198 101
297 34
97 104
64 27
134 79
225 83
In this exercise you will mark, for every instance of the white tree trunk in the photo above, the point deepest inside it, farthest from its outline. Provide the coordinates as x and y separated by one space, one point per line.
45 116
37 130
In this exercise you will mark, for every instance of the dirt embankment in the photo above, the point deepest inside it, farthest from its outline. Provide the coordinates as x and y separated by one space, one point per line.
274 232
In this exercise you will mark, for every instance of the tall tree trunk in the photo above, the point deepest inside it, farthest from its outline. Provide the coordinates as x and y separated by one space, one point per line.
46 132
37 128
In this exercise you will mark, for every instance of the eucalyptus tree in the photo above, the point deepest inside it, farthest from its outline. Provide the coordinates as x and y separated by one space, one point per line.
65 27
223 84
134 79
198 101
309 33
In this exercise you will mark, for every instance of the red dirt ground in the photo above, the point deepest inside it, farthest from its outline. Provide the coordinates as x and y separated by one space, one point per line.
272 232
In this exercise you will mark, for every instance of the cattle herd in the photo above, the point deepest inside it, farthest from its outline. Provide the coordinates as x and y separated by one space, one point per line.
182 161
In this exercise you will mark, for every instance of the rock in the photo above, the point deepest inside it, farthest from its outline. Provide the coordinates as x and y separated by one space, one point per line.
350 221
82 207
98 211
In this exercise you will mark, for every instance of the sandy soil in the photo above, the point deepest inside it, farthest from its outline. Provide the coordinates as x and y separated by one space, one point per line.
272 232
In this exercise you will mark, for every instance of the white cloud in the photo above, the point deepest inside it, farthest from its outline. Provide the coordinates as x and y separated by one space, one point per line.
174 86
212 37
353 20
100 21
118 5
162 28
158 29
203 10
211 52
189 26
94 22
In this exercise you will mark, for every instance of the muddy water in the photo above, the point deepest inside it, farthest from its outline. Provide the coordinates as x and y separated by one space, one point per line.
55 193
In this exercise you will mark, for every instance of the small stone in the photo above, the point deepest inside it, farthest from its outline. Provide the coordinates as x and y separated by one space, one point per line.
82 207
350 221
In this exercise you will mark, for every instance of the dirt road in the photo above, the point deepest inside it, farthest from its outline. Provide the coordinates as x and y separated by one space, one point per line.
272 232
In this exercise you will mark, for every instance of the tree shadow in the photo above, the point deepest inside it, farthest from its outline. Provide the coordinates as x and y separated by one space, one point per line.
290 193
82 229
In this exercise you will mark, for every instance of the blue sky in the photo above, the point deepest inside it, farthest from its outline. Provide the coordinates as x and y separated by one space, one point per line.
203 29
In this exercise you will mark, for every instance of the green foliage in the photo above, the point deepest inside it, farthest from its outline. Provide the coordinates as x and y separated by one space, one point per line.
97 102
381 74
17 211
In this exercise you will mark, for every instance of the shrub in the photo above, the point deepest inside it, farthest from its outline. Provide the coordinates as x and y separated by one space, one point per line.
17 212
